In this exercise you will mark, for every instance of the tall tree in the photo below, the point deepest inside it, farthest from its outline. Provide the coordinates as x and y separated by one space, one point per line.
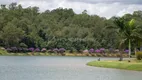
128 31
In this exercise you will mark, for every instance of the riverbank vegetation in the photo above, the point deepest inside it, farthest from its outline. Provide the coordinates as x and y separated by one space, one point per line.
133 65
26 30
59 52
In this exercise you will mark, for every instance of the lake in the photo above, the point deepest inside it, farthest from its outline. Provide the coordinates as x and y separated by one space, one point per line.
59 68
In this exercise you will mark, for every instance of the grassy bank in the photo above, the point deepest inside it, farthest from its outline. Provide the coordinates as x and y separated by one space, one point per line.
133 65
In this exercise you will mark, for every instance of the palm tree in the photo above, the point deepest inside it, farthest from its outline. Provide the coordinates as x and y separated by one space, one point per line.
128 31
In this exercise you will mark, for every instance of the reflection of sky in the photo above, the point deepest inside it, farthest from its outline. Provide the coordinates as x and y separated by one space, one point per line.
104 8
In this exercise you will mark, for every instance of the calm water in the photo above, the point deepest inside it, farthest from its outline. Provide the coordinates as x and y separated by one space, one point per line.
59 68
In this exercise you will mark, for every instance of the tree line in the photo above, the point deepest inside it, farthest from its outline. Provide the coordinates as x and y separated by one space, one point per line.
59 28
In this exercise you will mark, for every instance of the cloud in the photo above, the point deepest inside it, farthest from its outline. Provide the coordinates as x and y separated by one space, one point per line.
103 8
109 1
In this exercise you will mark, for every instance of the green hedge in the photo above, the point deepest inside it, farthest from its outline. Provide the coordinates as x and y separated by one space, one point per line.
139 55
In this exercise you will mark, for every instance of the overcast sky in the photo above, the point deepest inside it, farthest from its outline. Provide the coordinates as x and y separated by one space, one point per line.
103 8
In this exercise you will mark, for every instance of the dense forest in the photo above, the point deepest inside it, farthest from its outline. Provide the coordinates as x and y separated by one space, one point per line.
58 28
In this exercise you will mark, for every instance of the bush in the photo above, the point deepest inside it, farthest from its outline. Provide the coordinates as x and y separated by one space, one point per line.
97 51
86 51
43 50
72 50
102 50
31 49
116 51
111 50
20 50
139 55
50 51
25 50
14 49
55 50
37 50
23 45
9 50
126 51
61 50
91 50
3 52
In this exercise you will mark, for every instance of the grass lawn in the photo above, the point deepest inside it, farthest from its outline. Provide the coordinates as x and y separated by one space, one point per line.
133 65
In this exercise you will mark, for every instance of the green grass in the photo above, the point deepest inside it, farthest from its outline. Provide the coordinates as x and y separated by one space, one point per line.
133 65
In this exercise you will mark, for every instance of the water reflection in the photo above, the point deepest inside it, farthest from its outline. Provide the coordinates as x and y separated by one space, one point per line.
59 68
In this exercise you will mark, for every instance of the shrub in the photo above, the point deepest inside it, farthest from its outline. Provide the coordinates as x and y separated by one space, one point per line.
14 49
20 50
139 55
25 50
43 50
97 51
37 50
72 50
3 52
126 51
9 50
85 51
55 50
23 45
111 50
91 50
61 50
31 49
116 51
50 51
102 50
107 50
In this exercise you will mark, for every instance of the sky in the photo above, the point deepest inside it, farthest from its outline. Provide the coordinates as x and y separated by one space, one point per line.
103 8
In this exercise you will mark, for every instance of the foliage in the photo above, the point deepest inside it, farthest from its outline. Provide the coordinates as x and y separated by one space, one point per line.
97 51
139 55
43 50
91 50
60 28
37 50
61 50
23 45
31 49
2 51
126 51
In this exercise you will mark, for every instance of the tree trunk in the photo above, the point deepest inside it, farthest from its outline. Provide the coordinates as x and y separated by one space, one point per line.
121 49
121 56
135 50
129 48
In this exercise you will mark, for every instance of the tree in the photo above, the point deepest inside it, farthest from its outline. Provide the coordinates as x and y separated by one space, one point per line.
11 35
127 31
59 28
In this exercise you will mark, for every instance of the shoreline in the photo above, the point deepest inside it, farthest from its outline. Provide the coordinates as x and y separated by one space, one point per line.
65 54
134 65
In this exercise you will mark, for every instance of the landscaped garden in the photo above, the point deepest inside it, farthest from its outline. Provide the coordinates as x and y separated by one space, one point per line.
13 51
